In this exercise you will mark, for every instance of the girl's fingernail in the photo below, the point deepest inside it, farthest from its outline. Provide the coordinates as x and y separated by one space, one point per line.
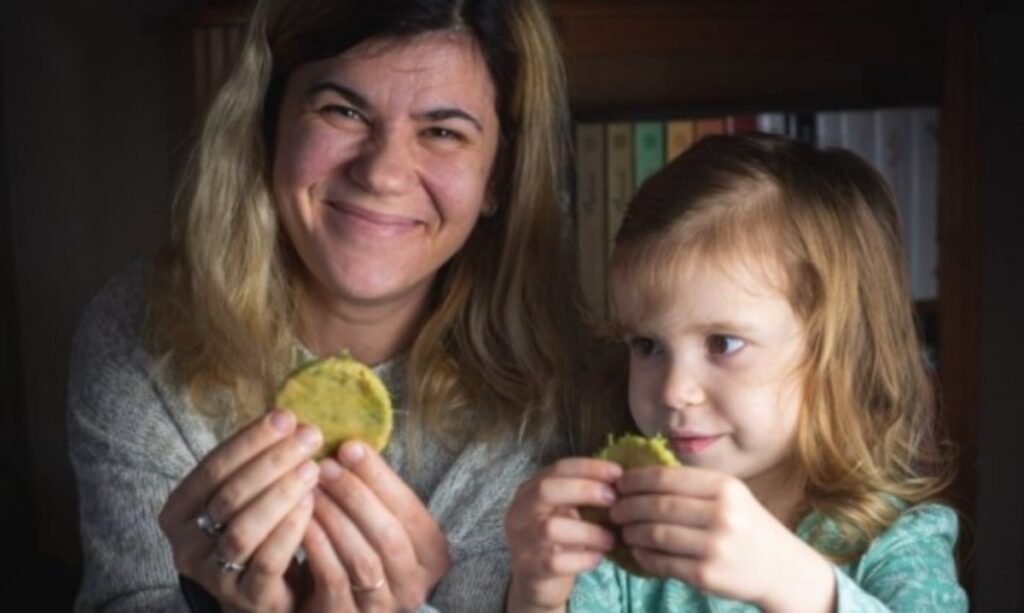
607 494
329 469
353 453
282 421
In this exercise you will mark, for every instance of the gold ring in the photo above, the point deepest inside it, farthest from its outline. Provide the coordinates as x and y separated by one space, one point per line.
370 588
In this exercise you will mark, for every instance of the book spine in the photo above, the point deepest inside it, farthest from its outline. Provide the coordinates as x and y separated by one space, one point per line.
679 136
648 150
591 236
619 143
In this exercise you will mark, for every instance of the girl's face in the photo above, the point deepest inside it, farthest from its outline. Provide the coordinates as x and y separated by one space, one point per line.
716 372
382 162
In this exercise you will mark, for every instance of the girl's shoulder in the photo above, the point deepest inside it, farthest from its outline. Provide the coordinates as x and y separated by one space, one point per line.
922 522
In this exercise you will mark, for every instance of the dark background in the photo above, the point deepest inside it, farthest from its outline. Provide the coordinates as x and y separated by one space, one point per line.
87 95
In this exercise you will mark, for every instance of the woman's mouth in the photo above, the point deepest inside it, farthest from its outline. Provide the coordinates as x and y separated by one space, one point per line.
373 221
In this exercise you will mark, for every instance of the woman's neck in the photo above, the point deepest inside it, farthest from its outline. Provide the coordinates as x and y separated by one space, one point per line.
371 333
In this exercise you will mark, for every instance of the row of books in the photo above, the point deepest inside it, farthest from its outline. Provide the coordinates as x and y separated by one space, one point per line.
613 159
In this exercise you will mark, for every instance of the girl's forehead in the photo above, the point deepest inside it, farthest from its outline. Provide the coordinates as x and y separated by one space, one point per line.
643 287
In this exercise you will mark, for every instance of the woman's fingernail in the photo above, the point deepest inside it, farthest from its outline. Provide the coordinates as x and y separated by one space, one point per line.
309 437
353 452
607 494
329 469
282 420
308 471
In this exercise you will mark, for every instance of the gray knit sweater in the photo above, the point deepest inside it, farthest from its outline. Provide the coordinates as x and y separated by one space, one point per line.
133 437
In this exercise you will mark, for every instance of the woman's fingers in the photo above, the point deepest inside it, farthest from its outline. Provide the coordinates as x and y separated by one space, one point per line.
194 491
429 544
331 587
386 536
253 478
252 525
362 564
271 560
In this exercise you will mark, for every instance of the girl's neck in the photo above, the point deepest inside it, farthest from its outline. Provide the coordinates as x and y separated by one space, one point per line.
783 494
371 333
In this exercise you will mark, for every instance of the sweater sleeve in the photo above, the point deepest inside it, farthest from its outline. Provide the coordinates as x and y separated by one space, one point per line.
910 567
127 455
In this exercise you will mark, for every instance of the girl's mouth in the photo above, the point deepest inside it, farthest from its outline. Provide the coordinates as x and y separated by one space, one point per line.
692 445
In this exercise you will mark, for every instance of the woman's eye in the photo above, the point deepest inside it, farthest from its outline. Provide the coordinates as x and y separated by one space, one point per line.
443 133
722 344
641 345
341 112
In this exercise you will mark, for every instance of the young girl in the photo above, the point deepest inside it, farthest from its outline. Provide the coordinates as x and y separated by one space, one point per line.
759 287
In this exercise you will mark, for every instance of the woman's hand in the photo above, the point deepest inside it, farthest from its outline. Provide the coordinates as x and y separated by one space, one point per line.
391 551
235 522
708 530
548 541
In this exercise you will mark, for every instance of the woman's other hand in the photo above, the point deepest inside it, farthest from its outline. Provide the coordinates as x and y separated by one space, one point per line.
235 522
392 551
549 543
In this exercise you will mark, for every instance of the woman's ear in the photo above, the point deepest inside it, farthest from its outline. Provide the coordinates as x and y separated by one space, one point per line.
490 207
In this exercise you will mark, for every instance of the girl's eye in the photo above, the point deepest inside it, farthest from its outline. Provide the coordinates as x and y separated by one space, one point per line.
722 344
642 346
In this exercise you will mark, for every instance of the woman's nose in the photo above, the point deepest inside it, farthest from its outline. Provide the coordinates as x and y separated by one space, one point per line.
384 165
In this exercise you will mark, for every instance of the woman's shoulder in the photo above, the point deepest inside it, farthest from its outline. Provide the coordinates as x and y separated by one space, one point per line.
115 313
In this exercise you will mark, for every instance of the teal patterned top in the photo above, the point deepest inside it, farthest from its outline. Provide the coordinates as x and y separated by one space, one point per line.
909 567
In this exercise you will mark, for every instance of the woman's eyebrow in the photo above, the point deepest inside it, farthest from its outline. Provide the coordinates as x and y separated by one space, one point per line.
349 94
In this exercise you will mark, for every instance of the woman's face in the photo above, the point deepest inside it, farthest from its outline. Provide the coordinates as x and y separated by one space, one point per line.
382 163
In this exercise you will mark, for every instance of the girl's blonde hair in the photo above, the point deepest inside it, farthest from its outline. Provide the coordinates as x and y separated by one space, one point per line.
495 348
868 438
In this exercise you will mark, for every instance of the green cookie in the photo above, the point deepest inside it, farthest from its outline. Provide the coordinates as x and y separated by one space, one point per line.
343 398
629 451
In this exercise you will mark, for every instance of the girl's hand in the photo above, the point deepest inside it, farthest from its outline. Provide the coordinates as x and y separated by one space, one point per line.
548 541
390 550
708 530
253 493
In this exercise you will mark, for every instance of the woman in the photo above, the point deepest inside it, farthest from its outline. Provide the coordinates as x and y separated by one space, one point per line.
376 176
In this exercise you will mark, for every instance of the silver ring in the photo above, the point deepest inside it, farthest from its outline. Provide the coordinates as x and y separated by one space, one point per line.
208 524
369 588
227 566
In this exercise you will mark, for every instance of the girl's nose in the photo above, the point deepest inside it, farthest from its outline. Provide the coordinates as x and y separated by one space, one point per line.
384 165
682 388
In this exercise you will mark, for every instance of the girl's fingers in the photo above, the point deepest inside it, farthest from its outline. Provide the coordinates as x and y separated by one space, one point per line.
190 496
250 526
566 562
680 480
428 542
267 566
665 565
586 468
667 538
575 533
673 509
